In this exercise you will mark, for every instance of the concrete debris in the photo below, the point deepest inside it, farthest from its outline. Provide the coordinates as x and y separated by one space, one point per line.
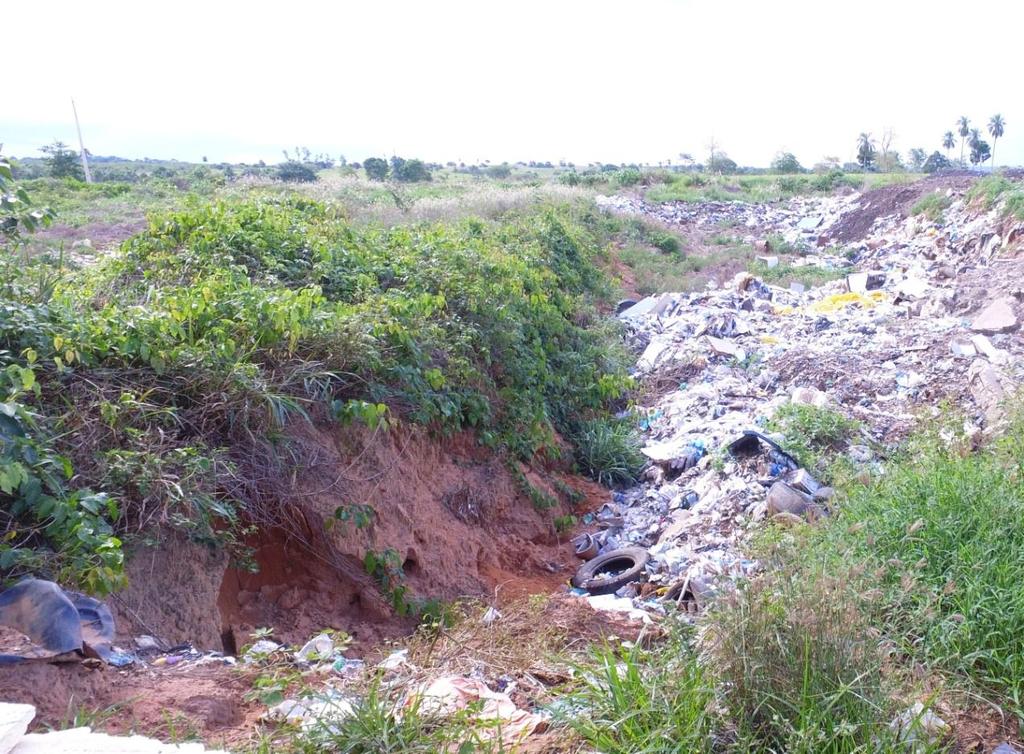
895 333
996 317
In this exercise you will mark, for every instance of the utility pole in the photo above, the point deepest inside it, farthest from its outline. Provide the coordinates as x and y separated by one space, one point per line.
81 145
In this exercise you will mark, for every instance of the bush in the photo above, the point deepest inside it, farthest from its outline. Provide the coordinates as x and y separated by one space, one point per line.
230 319
628 177
499 171
665 241
609 451
295 172
931 206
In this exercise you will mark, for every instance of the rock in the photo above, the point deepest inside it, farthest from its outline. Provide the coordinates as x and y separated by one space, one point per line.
1006 748
784 499
985 348
860 454
726 348
997 317
808 224
961 347
810 396
797 287
824 494
769 261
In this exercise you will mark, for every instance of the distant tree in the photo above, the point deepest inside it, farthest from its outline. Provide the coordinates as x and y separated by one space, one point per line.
62 161
376 168
980 150
865 151
917 158
294 171
885 159
721 163
499 171
948 141
409 171
936 161
827 164
996 126
342 161
964 129
786 162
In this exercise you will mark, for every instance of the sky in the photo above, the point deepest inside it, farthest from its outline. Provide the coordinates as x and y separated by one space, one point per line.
581 81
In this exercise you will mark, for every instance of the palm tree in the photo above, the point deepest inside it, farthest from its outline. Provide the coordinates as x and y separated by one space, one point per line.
948 141
965 129
996 125
865 150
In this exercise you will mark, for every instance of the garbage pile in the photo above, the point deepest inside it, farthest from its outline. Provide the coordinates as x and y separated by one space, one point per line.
931 313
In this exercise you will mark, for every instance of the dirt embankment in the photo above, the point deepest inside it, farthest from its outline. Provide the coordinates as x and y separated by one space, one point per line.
449 509
459 522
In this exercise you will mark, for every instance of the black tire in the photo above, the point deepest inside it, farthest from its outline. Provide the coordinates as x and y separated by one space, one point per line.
626 563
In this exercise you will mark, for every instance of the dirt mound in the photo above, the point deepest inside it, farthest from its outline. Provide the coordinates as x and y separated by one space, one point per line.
897 199
449 512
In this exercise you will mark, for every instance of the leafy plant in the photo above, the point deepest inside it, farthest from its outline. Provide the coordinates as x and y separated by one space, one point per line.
609 451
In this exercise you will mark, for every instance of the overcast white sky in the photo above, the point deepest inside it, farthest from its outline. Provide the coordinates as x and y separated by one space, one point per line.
639 80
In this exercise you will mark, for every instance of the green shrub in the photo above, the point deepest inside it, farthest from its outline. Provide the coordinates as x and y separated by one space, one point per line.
628 177
931 206
230 319
987 190
665 241
810 430
609 451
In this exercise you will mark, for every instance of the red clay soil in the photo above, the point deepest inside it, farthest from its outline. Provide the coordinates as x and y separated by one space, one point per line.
450 509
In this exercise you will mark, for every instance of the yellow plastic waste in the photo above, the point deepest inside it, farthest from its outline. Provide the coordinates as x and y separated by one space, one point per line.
769 340
838 301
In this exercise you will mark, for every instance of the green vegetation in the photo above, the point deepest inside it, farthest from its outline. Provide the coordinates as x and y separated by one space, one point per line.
609 451
808 275
811 431
641 700
947 558
220 324
764 188
931 206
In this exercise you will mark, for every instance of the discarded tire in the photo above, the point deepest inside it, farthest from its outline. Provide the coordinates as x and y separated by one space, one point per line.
616 568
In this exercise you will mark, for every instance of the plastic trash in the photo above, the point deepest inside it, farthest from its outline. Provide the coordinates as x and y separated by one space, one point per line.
56 621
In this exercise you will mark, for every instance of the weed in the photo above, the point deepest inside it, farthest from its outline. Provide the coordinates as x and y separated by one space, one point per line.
931 206
987 190
608 450
633 700
810 430
800 667
808 275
